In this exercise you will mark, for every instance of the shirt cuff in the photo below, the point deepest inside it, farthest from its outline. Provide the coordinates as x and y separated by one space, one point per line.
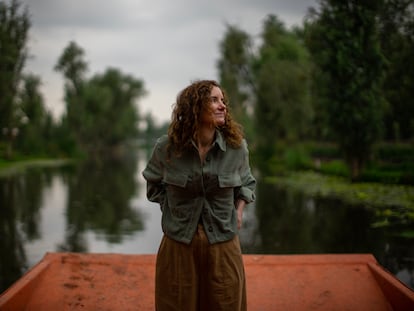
246 195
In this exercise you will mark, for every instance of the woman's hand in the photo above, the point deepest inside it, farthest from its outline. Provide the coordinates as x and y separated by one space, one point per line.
240 204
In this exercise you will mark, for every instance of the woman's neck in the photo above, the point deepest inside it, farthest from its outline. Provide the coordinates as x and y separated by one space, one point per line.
205 137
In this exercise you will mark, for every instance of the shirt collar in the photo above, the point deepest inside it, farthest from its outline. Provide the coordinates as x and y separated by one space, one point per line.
220 141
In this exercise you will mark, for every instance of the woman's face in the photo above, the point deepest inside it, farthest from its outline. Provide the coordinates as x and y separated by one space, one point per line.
217 112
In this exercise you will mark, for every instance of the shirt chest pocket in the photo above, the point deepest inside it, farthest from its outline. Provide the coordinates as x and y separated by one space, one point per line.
231 180
176 179
227 186
178 186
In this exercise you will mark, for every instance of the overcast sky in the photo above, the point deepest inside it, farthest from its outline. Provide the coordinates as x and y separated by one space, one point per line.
166 43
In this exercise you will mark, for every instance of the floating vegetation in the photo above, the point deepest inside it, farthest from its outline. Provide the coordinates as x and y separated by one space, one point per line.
19 167
394 204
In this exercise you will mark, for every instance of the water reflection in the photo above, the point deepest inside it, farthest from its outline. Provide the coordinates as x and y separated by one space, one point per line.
13 258
289 222
101 207
303 224
99 195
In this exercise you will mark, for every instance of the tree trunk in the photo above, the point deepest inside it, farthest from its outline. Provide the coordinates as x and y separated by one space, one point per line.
356 167
9 149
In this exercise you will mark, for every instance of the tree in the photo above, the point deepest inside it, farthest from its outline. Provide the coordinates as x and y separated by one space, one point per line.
151 132
343 38
74 68
14 27
283 110
234 67
110 108
33 136
101 111
397 43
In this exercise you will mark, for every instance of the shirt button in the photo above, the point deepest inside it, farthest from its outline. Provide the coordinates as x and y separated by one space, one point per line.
210 229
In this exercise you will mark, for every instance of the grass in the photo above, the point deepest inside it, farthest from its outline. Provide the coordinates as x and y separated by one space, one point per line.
17 166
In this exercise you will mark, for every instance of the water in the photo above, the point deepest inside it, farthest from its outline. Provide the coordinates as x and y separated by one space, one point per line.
102 208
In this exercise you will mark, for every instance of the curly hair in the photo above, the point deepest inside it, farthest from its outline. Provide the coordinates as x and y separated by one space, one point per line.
186 114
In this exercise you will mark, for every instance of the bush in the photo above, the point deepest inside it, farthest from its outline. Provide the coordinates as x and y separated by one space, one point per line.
390 163
323 150
296 158
394 152
335 167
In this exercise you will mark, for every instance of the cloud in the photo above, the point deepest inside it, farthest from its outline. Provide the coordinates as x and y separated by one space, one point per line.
165 43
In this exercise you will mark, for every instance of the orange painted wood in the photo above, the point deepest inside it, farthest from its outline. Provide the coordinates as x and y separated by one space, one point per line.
74 281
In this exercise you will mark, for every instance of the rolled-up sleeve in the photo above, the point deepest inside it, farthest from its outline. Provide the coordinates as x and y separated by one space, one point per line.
153 174
247 190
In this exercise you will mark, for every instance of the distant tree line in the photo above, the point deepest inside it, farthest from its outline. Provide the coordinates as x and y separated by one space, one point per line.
101 115
345 76
101 111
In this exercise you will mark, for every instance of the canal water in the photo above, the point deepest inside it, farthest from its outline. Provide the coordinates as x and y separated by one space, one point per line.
101 208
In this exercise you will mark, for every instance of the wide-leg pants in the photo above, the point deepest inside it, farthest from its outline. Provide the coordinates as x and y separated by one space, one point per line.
200 276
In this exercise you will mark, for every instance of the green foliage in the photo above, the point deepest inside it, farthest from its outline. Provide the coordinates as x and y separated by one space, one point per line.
287 157
398 200
335 168
33 135
63 142
235 75
282 89
73 67
14 27
386 177
296 157
391 163
100 199
395 152
121 115
323 150
151 133
101 111
283 109
274 82
397 43
343 38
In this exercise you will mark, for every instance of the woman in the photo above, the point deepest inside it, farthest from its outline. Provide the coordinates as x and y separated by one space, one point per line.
200 175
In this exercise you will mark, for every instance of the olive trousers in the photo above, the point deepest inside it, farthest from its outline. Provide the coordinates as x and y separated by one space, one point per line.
200 276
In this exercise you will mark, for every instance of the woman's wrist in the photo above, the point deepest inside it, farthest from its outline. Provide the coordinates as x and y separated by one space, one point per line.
240 203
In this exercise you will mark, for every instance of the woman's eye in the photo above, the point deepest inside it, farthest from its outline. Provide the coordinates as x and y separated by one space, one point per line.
216 100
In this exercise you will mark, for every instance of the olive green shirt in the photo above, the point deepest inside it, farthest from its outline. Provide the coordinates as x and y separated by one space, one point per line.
190 192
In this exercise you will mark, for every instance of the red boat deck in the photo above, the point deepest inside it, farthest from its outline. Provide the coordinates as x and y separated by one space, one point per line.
73 281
